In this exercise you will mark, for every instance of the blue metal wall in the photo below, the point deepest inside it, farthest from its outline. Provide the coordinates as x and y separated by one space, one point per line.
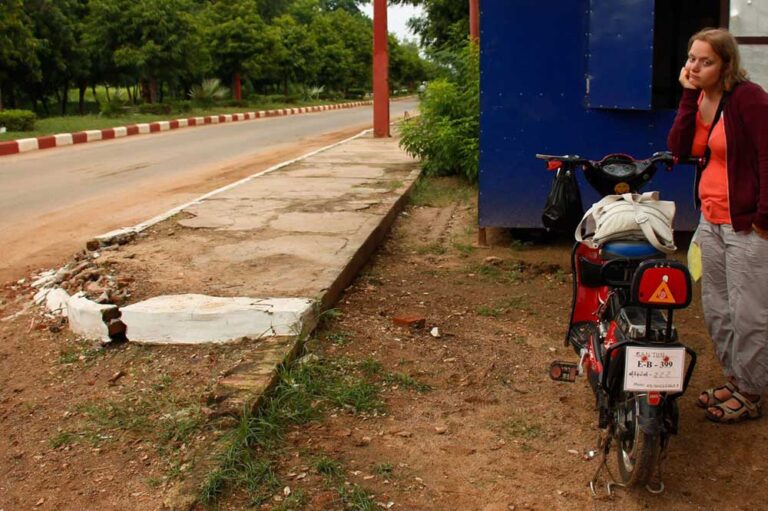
535 61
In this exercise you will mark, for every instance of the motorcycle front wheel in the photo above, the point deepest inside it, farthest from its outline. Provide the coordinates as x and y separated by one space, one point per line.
637 451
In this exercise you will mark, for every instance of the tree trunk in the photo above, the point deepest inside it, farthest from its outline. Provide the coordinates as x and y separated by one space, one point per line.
106 92
285 87
64 99
237 90
161 95
93 90
1 96
130 93
81 97
152 89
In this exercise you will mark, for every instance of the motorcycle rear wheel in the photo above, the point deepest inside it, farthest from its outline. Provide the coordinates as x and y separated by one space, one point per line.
637 451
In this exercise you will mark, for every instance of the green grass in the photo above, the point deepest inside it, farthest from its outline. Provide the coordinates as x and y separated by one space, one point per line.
520 428
329 468
302 394
440 191
435 247
81 352
384 469
504 274
406 381
340 338
74 123
463 249
515 303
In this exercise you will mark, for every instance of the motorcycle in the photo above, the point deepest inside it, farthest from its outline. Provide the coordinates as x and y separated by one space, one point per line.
625 292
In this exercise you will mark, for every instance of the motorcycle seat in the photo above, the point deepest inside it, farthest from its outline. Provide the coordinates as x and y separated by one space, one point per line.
630 249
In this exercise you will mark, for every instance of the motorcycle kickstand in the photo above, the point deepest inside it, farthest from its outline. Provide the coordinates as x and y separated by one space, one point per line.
604 444
656 484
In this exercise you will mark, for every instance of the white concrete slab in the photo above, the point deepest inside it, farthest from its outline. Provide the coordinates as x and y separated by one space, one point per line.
193 319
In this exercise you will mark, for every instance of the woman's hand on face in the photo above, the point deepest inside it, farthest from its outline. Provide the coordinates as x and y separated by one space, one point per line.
684 79
760 232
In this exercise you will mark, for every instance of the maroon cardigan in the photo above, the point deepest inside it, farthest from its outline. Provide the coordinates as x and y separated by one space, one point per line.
746 135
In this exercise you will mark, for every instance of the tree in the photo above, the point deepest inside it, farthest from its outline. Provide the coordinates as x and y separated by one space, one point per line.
444 25
147 41
58 30
406 67
297 53
239 40
345 56
18 59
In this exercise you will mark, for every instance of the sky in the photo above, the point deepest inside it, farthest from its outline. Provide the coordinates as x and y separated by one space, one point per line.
397 17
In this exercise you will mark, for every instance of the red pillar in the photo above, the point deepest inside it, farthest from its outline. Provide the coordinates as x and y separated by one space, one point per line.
380 70
474 20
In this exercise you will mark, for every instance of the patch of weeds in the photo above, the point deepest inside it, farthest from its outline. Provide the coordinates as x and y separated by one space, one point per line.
520 245
61 439
440 191
520 340
121 416
520 428
339 338
154 482
327 316
356 498
390 185
518 302
297 500
561 276
463 249
80 353
435 248
384 469
370 367
329 468
179 426
164 383
303 393
494 312
406 381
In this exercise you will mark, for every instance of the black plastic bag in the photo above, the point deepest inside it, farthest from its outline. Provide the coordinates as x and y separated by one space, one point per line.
563 210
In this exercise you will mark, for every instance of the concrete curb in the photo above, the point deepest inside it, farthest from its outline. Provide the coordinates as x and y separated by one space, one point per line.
24 145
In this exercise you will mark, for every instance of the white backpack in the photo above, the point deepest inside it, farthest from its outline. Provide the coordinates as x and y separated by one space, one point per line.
629 216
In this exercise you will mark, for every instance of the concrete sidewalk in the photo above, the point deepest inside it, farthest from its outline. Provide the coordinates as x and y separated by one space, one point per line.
257 260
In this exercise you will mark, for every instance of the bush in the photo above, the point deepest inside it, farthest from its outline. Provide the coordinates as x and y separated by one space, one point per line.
18 120
182 106
356 93
446 136
242 103
116 106
208 92
155 108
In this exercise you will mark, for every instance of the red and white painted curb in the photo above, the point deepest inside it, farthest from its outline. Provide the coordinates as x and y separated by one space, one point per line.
46 142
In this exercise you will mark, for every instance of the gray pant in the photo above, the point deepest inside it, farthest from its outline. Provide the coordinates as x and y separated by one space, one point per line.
734 292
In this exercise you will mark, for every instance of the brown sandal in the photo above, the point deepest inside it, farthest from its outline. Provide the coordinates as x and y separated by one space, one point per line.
712 399
748 410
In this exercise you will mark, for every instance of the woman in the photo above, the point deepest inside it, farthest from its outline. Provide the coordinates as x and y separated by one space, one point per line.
723 117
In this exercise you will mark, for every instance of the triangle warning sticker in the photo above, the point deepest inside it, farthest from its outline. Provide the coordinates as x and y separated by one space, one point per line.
662 294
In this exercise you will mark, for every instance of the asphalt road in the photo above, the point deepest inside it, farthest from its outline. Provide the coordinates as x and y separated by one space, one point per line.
52 201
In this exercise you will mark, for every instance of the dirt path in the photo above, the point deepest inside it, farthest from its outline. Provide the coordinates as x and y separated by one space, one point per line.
40 241
116 429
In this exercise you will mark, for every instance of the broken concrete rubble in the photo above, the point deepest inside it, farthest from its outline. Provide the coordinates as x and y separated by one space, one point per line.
86 318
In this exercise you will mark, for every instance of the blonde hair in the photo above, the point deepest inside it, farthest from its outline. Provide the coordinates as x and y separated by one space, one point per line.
725 46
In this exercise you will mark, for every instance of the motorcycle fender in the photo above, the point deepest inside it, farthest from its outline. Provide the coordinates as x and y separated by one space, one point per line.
651 418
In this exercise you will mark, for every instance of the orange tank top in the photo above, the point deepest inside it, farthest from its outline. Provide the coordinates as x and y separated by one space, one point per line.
713 187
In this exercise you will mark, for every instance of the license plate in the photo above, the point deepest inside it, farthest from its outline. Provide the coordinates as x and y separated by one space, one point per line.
654 369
